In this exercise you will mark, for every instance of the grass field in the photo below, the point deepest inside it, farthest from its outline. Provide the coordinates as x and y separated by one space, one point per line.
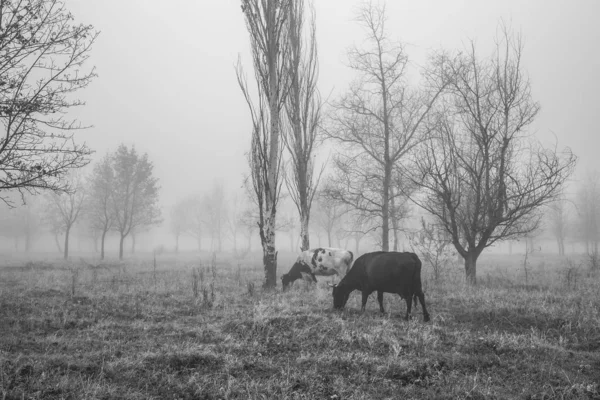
182 329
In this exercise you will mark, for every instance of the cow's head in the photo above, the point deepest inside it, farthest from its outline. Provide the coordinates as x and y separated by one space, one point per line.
340 296
285 281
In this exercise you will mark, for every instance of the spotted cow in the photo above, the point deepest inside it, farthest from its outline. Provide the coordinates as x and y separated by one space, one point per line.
324 261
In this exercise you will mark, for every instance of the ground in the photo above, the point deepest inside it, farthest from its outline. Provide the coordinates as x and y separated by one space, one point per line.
190 328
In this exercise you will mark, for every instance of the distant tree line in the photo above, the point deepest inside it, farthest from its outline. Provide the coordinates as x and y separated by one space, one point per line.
119 195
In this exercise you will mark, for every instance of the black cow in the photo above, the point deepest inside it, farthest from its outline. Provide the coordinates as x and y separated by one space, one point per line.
384 272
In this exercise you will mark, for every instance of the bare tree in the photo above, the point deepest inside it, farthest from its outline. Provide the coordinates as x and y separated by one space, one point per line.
303 112
433 245
99 208
359 228
233 218
588 208
378 123
266 21
249 220
135 193
21 220
215 213
483 178
64 209
178 221
558 215
287 224
195 217
42 65
328 215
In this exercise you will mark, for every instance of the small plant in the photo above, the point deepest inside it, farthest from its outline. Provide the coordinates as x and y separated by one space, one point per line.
528 250
213 265
593 260
571 274
154 271
197 279
208 296
238 274
74 275
251 290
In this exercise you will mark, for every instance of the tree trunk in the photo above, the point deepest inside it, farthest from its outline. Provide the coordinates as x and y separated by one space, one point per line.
177 243
270 214
269 252
199 240
27 241
394 222
304 235
385 226
121 246
102 244
471 268
249 241
561 246
58 246
66 252
132 243
329 238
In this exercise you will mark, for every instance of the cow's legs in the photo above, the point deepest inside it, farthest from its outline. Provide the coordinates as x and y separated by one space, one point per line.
408 307
422 300
365 297
380 300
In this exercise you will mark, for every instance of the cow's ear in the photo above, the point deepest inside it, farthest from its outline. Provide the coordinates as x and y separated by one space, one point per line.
331 284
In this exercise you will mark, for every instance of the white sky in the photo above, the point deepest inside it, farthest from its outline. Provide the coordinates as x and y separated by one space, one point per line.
167 82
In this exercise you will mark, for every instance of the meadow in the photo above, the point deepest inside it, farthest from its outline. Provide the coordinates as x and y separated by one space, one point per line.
196 327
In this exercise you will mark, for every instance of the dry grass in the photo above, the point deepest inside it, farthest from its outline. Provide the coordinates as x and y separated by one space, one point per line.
186 330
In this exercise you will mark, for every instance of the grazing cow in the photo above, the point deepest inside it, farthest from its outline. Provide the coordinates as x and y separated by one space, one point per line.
384 272
324 261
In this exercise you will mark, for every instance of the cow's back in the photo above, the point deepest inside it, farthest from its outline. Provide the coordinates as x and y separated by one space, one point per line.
394 272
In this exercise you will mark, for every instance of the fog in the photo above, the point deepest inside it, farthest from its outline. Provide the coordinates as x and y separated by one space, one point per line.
167 82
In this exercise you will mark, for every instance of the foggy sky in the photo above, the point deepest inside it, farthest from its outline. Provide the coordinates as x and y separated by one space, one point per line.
167 81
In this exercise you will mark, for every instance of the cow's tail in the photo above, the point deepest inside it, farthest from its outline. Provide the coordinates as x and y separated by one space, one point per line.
349 261
418 293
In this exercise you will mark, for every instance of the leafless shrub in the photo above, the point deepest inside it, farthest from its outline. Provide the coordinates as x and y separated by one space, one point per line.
593 260
528 250
434 246
74 275
213 265
154 271
251 290
208 295
238 274
197 279
571 274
